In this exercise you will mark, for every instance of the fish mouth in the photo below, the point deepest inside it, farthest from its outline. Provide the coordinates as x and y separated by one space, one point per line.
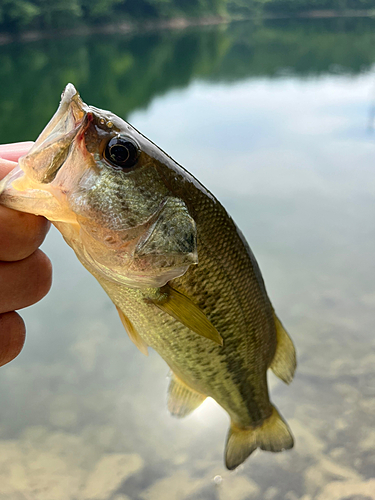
51 149
26 187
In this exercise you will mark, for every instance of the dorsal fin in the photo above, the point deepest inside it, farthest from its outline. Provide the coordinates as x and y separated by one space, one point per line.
132 332
182 308
182 400
284 362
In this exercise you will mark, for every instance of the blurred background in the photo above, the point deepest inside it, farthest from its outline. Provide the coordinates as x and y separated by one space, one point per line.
274 113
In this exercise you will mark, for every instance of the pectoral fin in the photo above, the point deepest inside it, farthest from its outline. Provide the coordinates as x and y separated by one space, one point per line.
186 312
132 332
284 362
182 400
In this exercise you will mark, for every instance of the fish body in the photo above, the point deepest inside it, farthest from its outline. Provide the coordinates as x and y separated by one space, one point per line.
171 259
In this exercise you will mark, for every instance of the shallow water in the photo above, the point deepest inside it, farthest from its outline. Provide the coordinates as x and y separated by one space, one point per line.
277 121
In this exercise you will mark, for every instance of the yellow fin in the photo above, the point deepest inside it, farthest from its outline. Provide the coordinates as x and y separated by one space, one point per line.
182 400
132 332
273 435
186 312
284 362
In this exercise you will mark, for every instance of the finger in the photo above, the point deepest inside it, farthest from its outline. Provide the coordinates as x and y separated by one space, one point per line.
12 336
24 282
15 150
6 166
20 234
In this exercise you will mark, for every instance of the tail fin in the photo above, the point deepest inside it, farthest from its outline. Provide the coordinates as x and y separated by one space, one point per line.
273 435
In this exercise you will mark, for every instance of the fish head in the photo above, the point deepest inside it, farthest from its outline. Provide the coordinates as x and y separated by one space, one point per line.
103 184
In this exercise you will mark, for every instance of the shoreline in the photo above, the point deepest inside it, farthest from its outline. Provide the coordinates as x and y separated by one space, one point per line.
178 23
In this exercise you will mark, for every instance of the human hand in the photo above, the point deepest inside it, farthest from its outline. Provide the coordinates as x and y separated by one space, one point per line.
25 271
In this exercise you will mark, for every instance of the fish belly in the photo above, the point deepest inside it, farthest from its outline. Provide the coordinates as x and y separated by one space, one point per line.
219 372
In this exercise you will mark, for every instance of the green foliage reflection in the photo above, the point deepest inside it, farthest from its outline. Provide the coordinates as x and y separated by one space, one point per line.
51 14
124 74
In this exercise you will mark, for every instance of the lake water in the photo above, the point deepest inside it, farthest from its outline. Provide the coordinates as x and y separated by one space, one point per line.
277 119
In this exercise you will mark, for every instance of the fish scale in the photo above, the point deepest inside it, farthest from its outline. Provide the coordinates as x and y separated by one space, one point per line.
236 319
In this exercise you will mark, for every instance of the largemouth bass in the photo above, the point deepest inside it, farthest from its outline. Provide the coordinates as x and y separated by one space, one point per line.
177 268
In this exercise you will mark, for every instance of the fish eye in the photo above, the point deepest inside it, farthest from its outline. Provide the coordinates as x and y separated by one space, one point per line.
121 152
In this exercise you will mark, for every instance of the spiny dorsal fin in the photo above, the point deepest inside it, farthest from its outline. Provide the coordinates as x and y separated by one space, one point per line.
182 400
186 312
284 362
273 435
132 332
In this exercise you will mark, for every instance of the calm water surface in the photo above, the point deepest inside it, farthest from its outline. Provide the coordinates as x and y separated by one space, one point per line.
277 120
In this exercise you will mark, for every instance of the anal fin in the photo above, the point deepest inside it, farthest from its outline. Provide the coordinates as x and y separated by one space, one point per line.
273 435
182 400
132 332
284 362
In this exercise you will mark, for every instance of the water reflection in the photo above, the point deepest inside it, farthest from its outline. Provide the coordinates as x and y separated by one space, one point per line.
273 119
124 74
